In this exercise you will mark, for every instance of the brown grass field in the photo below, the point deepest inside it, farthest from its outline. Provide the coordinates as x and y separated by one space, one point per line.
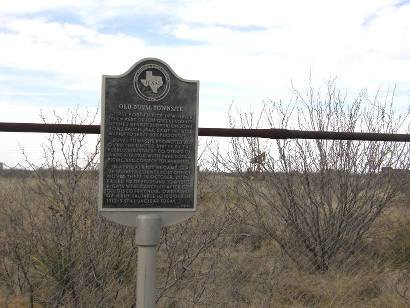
213 260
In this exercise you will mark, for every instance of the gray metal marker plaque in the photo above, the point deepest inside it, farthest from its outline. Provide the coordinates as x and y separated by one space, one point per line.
149 133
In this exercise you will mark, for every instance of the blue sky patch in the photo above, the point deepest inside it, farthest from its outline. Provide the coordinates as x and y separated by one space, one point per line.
151 30
402 3
42 88
58 15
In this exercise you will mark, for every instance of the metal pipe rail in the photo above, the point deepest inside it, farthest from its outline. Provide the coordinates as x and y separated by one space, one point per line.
272 133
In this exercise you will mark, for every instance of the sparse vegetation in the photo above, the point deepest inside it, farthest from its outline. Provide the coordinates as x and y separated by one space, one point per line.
212 260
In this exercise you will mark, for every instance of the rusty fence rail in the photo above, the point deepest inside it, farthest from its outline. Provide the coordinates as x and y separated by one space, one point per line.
272 133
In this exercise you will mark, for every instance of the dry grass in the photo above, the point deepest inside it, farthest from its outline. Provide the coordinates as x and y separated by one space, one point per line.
16 302
249 270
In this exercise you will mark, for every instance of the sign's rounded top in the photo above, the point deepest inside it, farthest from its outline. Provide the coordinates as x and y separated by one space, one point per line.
151 61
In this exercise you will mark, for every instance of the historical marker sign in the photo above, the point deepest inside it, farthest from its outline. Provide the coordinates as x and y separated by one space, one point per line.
149 131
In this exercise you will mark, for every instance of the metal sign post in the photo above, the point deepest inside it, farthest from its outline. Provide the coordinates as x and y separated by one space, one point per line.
149 142
147 238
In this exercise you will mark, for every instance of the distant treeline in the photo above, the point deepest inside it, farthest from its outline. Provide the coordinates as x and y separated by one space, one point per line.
17 172
43 172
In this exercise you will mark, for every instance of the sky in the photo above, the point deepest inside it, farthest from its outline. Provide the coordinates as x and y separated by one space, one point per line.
53 53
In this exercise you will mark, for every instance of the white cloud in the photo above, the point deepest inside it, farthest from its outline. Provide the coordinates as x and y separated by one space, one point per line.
299 35
248 50
72 50
29 6
268 13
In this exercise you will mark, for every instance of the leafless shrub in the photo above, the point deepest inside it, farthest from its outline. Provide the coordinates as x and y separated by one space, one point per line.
187 258
59 251
317 199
